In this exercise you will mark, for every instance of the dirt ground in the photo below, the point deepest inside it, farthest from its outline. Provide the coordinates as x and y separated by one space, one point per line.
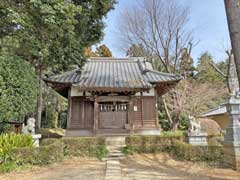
161 166
73 169
136 167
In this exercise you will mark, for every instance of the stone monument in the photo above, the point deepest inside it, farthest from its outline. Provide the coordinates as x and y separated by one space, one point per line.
195 136
232 136
30 129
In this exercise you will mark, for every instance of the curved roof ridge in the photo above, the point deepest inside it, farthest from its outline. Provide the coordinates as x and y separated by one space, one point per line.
112 59
163 73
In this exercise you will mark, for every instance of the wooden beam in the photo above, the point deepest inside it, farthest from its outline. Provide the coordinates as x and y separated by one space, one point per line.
113 98
69 112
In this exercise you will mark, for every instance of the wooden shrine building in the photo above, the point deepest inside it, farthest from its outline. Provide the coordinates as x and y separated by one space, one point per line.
111 95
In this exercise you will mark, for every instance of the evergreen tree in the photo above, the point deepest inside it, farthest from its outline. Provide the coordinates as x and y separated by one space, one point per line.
103 51
18 88
51 35
206 72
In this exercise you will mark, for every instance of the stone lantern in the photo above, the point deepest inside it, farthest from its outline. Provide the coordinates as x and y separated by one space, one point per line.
232 136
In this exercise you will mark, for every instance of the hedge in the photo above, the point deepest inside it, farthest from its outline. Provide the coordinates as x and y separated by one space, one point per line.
188 152
38 155
83 146
86 146
53 150
149 144
174 146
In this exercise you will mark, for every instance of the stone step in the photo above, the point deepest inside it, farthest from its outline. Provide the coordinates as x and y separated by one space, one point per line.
112 158
115 148
117 140
115 154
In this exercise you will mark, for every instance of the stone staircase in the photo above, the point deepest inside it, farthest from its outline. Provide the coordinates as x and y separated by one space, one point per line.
114 146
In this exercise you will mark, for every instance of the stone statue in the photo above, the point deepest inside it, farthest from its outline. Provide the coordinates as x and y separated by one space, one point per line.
195 125
30 127
195 136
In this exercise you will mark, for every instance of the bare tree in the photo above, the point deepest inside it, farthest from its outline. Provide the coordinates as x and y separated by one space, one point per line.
160 26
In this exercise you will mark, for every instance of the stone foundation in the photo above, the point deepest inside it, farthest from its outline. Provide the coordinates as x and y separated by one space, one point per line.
232 156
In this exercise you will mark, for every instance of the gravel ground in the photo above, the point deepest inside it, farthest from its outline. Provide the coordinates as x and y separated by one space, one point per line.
161 166
81 169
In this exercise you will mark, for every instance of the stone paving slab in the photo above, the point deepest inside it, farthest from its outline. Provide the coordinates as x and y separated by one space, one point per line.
113 170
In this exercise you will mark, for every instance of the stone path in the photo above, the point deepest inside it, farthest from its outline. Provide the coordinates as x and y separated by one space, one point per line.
113 170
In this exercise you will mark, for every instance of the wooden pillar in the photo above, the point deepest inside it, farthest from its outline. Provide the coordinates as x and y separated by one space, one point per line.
130 110
96 118
142 109
69 112
156 108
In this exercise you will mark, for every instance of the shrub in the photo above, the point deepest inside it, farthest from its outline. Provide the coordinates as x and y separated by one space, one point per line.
149 144
82 146
10 141
4 127
175 146
177 134
63 119
8 166
38 155
53 150
85 146
52 116
188 152
48 141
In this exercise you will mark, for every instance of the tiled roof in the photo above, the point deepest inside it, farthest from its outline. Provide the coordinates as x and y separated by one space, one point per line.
216 111
114 73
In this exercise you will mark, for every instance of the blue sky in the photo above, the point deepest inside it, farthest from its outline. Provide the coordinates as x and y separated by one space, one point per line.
207 18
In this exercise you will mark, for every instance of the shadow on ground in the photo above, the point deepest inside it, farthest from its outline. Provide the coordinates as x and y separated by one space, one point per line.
162 166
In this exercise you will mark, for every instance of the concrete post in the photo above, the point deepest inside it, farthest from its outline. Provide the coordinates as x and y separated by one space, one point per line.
232 136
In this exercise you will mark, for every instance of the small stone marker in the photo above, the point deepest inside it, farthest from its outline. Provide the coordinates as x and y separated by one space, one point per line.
197 138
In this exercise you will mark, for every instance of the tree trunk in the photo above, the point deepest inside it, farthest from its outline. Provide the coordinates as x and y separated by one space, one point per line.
233 17
166 110
175 125
39 99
